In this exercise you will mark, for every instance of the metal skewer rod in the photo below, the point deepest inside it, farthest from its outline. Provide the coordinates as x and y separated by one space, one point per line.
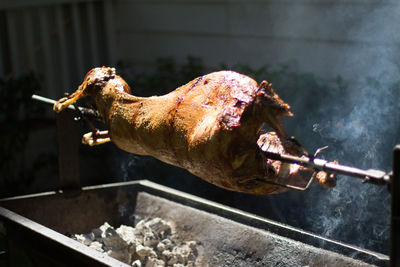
369 176
47 100
84 111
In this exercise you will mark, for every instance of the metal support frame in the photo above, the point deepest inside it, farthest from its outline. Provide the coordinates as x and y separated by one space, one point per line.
68 151
395 213
126 194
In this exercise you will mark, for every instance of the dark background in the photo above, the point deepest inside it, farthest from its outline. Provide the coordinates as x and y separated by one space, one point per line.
355 113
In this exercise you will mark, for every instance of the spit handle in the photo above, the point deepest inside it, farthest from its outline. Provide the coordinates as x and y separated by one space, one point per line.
395 213
371 176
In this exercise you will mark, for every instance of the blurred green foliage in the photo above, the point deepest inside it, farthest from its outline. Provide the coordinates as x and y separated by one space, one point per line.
166 76
295 87
310 97
16 112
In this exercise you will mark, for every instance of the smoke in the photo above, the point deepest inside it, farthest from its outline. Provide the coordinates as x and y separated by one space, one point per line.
362 135
354 212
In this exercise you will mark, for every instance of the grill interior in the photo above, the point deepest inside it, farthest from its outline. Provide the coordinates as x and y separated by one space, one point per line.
228 237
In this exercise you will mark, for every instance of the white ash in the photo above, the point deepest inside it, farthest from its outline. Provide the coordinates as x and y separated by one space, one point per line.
151 243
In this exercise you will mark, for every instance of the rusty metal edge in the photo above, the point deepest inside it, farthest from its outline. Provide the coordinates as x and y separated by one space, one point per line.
53 239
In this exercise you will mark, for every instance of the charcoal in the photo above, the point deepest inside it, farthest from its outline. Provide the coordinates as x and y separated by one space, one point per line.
151 243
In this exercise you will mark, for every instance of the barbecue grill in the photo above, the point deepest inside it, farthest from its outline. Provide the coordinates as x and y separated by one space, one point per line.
37 226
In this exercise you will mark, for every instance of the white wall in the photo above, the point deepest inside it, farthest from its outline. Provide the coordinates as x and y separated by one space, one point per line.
327 37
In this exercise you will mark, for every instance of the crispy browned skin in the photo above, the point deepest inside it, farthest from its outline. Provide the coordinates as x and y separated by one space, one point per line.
209 126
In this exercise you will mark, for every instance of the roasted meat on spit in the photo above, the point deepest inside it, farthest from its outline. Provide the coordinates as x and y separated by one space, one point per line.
210 126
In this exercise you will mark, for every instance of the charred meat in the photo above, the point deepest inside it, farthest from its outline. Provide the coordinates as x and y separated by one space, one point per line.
210 126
